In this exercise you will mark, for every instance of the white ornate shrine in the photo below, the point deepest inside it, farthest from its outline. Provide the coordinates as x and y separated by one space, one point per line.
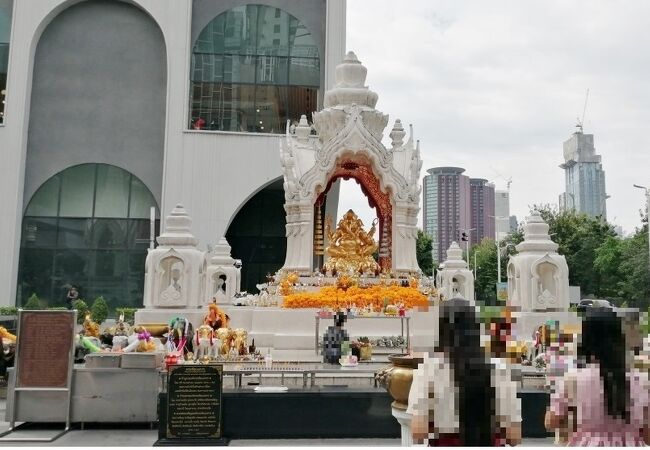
174 272
222 276
348 145
538 277
180 280
538 281
455 279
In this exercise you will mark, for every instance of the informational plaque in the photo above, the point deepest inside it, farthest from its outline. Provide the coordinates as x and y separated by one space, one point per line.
45 344
194 402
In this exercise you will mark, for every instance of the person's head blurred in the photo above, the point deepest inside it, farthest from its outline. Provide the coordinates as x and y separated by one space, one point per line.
603 343
460 339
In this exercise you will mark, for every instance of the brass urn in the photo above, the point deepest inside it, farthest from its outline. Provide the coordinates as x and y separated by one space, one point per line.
397 378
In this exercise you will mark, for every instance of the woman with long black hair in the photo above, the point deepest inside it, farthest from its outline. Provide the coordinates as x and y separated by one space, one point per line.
610 400
458 398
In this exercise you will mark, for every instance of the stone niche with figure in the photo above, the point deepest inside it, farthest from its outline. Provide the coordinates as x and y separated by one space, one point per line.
222 275
455 280
175 270
538 277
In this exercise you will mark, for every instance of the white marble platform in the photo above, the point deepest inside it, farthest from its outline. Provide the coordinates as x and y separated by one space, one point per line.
293 329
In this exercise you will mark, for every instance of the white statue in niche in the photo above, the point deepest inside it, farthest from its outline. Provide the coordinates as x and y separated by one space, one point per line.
219 287
546 298
456 288
547 283
173 268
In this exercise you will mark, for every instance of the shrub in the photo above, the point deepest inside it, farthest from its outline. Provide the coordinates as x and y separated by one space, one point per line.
33 302
129 314
99 310
8 310
82 309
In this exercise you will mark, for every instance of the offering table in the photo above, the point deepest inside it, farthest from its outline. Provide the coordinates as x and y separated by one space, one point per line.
98 395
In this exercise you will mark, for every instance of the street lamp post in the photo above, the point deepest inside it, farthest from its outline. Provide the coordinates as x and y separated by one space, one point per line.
647 205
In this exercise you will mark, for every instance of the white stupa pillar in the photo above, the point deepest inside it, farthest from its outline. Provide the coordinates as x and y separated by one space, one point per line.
456 280
174 272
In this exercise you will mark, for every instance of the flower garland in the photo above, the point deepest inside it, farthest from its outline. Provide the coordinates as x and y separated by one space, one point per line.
333 297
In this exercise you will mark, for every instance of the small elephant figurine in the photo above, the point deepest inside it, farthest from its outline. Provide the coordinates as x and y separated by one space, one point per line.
223 334
241 338
204 342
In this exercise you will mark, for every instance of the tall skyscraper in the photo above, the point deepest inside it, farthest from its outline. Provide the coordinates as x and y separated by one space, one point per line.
584 177
482 207
446 211
502 214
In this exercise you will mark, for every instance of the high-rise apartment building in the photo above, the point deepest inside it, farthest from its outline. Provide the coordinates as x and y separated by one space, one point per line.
446 211
584 177
482 210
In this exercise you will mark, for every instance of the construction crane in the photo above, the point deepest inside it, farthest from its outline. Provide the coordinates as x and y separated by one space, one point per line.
507 180
581 122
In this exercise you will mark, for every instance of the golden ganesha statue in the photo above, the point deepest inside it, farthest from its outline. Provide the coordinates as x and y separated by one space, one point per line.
350 247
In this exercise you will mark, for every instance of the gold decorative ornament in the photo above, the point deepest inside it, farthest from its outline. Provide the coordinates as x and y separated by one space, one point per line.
398 377
90 328
350 247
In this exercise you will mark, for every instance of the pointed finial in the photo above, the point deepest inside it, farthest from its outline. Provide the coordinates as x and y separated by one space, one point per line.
397 135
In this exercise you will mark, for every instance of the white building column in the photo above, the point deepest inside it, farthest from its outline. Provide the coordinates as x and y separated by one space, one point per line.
27 25
335 41
404 420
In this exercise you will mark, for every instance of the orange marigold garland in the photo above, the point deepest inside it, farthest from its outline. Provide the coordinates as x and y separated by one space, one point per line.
332 297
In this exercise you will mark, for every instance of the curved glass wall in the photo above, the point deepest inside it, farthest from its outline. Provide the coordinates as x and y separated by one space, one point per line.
253 68
5 31
87 226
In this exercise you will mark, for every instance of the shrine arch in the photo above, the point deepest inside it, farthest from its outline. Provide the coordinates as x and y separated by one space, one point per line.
361 170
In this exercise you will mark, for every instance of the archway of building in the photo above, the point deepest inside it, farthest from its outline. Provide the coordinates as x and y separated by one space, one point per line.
361 171
88 226
257 235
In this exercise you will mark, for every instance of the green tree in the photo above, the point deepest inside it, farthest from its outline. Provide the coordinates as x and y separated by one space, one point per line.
609 257
423 249
99 310
634 273
33 302
82 309
484 255
578 237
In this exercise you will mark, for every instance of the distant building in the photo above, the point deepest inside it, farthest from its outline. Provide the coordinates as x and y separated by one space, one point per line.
513 223
482 210
446 211
502 214
584 177
619 231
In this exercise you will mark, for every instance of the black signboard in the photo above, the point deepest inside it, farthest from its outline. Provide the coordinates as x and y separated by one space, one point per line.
192 410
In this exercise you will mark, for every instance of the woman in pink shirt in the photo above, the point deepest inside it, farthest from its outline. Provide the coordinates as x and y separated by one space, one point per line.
610 400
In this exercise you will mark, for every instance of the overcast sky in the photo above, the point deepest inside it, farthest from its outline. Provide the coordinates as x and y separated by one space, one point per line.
496 87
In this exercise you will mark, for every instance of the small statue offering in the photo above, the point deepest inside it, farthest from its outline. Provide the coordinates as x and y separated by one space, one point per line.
145 342
91 328
216 318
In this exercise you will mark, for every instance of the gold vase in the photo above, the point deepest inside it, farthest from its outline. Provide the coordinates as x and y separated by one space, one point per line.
365 353
397 378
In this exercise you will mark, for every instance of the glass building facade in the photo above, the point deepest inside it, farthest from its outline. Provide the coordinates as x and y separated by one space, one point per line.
253 68
5 32
87 226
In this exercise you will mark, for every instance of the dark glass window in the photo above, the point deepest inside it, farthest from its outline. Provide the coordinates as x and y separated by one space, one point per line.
87 226
253 68
5 31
